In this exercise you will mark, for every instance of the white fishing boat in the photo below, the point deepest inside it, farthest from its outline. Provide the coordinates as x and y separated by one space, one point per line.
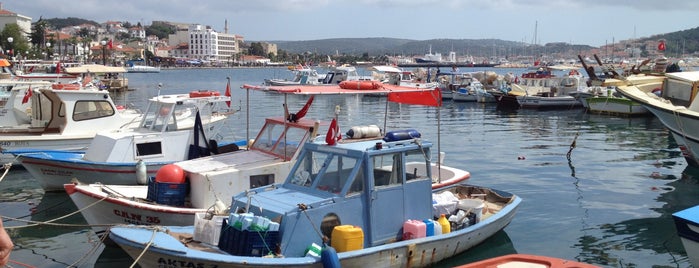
324 201
169 125
65 120
142 69
672 98
545 90
15 101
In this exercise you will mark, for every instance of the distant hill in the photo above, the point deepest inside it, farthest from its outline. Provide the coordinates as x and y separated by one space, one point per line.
58 23
394 46
680 42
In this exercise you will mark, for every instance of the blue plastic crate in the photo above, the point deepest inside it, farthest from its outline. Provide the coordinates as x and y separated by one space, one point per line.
247 243
172 194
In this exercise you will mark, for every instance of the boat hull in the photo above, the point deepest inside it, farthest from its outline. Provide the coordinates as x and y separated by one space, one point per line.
419 252
537 102
687 225
47 142
678 119
614 106
100 207
53 173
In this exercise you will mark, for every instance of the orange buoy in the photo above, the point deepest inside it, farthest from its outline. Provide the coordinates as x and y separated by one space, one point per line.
170 173
360 85
203 93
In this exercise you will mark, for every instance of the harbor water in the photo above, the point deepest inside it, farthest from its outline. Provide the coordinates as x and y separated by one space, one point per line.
597 189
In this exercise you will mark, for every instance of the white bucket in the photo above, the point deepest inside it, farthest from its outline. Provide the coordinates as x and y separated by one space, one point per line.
473 205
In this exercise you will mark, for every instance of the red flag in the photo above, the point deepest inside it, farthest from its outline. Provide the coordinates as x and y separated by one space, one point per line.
301 113
109 44
429 98
228 93
661 45
27 95
333 133
58 67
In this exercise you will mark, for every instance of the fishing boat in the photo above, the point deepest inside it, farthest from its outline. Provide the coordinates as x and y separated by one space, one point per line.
65 120
15 104
527 260
687 225
605 100
353 196
267 160
672 99
303 75
170 124
542 88
142 69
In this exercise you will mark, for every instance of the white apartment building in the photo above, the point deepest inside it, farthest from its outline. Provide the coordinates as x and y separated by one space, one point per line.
9 17
208 45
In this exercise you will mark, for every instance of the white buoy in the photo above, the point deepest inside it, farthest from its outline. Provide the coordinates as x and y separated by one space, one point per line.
141 172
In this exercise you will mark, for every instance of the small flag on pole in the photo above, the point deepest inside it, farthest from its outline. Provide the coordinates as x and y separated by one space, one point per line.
27 95
228 92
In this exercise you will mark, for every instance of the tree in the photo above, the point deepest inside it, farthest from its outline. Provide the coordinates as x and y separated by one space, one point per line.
256 49
38 35
19 44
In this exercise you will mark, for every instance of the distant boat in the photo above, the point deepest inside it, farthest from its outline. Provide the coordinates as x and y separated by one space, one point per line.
142 69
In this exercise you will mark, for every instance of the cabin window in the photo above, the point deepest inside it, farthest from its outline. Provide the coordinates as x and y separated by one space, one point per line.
387 169
358 182
308 168
292 140
417 165
337 173
261 180
149 149
86 110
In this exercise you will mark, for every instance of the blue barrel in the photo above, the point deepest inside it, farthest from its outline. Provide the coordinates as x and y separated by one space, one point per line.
399 135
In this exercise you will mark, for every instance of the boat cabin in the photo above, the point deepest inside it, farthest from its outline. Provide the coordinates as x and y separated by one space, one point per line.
363 182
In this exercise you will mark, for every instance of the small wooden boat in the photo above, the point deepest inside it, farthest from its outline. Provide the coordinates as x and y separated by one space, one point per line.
526 261
356 196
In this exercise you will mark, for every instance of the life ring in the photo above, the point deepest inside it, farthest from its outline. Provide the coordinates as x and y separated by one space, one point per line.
360 85
204 93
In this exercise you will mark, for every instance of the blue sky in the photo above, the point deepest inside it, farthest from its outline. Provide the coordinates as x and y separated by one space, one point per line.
589 22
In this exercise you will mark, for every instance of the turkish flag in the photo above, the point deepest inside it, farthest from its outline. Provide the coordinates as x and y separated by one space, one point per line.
110 44
333 133
27 95
228 93
661 45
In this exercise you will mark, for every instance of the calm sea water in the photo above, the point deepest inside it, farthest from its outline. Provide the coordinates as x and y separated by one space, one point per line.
609 203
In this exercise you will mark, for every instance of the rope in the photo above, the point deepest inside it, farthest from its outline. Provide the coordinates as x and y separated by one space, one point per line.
145 249
7 167
50 222
303 208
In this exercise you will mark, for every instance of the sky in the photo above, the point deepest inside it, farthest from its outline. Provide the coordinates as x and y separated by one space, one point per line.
587 22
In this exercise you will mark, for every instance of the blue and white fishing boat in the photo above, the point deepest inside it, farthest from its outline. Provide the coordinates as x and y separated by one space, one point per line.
687 224
358 196
128 156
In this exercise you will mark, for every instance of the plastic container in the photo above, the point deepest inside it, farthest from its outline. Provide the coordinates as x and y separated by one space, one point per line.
437 227
474 206
347 238
165 193
444 223
207 230
247 243
429 227
413 229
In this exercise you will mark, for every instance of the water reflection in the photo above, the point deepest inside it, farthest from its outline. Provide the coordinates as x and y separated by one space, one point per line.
609 244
